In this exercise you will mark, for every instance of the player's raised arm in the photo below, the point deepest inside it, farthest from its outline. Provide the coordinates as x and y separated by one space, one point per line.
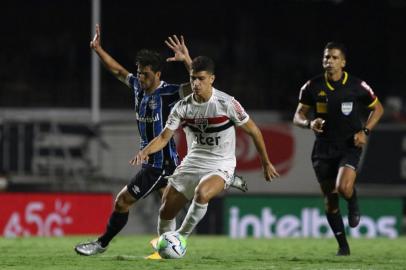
109 62
253 131
154 146
181 54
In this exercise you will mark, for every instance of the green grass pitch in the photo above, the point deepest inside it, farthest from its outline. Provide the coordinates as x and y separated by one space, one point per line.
204 252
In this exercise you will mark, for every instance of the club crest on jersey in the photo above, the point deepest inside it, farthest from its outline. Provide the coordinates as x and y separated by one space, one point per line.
152 104
346 108
201 123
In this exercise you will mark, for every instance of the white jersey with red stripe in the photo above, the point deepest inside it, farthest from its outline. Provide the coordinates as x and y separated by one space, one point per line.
210 130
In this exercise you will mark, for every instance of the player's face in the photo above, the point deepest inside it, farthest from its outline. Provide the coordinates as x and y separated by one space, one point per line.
333 60
201 82
148 78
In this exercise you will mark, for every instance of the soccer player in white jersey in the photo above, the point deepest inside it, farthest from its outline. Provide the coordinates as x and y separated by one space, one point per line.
208 117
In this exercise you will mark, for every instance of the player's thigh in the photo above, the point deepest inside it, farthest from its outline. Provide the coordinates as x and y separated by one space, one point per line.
172 202
326 171
348 170
345 180
209 187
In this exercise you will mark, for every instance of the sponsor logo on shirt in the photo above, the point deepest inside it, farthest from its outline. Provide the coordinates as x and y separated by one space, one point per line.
241 114
147 119
279 140
209 140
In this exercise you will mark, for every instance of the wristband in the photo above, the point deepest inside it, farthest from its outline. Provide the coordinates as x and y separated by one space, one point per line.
366 131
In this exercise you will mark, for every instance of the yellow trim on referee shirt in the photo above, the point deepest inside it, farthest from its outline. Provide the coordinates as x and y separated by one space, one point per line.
330 86
373 103
345 78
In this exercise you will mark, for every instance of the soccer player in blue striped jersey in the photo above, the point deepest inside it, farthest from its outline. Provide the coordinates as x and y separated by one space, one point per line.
154 100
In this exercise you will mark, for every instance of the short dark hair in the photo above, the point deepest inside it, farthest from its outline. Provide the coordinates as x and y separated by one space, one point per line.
151 58
203 63
336 45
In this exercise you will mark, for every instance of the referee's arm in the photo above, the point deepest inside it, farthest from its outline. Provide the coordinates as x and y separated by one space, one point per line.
300 118
375 114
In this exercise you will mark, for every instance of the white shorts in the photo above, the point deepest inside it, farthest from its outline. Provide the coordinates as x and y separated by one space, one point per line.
186 179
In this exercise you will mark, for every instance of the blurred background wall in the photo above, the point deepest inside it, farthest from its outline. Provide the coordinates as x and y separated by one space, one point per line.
264 51
269 48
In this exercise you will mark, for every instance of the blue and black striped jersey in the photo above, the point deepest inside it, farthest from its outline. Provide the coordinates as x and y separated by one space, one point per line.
152 111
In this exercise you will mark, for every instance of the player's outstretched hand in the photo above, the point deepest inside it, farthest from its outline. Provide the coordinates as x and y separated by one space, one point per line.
181 52
95 43
270 172
140 158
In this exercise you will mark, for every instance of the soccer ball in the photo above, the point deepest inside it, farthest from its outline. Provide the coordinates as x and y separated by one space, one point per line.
171 245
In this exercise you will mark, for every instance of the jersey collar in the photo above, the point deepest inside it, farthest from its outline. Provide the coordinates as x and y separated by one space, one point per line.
343 82
153 92
202 103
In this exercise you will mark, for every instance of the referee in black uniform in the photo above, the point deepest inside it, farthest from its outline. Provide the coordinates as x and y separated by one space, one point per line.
335 98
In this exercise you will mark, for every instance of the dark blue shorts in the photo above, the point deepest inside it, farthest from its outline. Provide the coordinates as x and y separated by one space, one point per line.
147 180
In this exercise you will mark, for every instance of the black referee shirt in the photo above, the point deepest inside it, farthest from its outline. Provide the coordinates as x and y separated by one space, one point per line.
338 103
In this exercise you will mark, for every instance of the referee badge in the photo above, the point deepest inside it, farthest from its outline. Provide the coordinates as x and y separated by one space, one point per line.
346 108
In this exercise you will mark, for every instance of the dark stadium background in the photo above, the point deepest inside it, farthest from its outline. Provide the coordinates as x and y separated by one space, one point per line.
264 50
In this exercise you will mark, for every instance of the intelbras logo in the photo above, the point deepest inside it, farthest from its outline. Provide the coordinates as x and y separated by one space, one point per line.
310 223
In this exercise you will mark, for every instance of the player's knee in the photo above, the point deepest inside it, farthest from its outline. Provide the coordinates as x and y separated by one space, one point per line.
331 203
123 203
165 212
345 190
331 209
201 196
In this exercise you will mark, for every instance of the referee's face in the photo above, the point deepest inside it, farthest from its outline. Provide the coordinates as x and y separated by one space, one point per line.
333 60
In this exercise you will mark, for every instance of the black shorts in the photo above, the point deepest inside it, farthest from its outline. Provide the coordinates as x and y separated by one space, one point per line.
147 180
328 157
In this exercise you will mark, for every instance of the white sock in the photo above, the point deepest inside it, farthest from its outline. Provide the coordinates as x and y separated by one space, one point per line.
166 225
195 213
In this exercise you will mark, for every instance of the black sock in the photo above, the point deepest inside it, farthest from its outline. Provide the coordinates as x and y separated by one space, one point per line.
116 223
337 225
353 201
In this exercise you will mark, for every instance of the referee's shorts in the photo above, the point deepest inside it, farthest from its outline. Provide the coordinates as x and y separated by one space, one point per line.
328 157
